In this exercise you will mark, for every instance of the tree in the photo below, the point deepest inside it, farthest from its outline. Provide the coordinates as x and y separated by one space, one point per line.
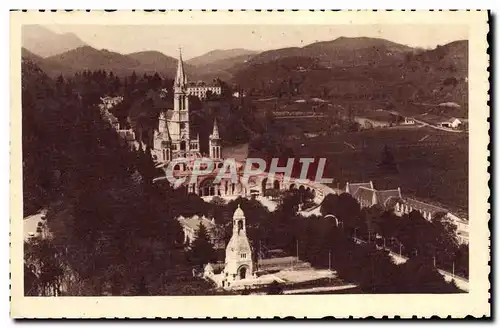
344 207
388 162
202 250
275 288
45 269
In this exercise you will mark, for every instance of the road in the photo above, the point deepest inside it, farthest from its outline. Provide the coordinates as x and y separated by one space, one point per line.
461 282
318 289
30 224
437 127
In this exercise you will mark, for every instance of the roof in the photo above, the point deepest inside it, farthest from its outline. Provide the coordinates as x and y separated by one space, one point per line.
365 194
239 242
353 187
238 213
392 201
383 196
202 84
194 222
421 206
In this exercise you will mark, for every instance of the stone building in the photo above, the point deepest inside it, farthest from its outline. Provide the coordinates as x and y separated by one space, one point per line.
201 90
238 266
368 196
191 225
174 137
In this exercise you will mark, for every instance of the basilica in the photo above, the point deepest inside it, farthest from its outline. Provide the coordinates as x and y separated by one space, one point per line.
174 137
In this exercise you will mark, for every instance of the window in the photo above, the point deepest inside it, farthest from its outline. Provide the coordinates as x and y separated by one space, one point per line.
183 125
243 255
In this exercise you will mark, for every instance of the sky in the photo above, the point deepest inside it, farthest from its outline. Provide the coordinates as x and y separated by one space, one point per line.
196 40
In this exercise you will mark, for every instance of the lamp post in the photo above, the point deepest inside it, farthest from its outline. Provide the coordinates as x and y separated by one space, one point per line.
297 246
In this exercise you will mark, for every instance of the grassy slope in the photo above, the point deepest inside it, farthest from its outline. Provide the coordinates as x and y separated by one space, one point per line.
435 169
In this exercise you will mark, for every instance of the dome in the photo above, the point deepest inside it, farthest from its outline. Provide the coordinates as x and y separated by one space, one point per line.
238 214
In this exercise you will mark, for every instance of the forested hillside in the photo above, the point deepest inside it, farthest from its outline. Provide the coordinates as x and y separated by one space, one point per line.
377 74
106 217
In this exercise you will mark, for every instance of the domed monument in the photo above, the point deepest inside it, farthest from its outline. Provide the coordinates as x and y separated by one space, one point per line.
238 264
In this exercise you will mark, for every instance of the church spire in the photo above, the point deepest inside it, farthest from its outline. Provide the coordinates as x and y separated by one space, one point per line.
215 132
180 77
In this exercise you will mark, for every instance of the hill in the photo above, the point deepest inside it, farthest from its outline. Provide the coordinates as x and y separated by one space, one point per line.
46 43
154 61
88 58
222 69
367 70
218 55
48 67
26 54
342 51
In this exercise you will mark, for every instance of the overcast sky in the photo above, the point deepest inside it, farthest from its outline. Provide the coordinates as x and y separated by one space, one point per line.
197 40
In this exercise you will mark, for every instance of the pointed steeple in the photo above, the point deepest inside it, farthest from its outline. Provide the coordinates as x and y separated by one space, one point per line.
215 132
180 76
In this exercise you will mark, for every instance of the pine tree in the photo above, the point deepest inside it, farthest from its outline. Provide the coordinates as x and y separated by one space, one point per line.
202 250
388 161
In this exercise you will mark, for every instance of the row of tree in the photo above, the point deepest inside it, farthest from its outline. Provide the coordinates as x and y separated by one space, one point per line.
325 243
411 234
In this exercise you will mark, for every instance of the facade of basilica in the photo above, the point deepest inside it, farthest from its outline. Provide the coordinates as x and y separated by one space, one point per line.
174 137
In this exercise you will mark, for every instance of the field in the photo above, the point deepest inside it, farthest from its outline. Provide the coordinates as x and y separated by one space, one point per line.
432 164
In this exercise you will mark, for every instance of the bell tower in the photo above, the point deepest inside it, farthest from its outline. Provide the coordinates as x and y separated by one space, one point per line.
179 121
238 264
162 142
214 143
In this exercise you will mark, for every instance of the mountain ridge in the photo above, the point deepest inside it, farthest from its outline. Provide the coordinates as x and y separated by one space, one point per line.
45 43
219 54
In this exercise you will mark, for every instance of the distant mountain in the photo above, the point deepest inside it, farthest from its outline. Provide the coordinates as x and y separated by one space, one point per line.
360 69
88 58
222 68
26 54
48 67
43 42
438 76
342 51
155 61
218 55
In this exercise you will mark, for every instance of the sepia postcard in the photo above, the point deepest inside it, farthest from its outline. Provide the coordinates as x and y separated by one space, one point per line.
249 164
